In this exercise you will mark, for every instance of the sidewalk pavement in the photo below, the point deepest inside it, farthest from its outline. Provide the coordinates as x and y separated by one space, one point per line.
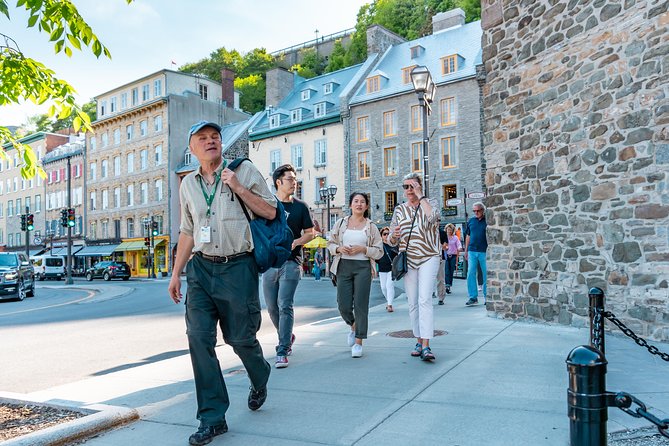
494 382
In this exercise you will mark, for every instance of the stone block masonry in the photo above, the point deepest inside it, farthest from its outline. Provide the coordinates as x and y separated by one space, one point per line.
576 149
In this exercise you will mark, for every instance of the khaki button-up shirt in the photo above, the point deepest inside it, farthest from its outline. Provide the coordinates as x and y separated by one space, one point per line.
230 232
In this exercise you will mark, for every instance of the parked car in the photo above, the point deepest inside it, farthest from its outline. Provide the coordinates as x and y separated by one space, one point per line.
108 270
48 267
17 276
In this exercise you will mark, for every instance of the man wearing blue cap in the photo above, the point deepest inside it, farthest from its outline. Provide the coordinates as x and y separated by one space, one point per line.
215 244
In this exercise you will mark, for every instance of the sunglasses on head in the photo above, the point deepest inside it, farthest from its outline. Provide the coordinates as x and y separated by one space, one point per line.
407 186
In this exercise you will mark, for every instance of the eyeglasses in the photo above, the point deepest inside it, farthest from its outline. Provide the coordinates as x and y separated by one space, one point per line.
478 210
383 234
407 186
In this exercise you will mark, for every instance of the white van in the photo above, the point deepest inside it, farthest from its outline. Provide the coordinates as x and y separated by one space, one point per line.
48 267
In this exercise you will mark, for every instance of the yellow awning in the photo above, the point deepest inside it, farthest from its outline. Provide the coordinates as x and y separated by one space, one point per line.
318 242
136 245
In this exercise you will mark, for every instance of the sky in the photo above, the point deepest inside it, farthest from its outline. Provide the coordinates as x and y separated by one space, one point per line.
148 35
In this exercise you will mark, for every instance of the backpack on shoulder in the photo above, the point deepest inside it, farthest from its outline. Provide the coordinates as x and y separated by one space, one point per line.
272 239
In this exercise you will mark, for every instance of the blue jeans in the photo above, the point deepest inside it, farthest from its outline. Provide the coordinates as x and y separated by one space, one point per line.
476 259
278 286
317 272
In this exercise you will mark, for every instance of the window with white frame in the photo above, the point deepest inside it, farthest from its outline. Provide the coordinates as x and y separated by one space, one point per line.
327 88
274 159
134 96
93 142
129 130
78 194
105 199
157 88
143 159
117 197
103 169
306 94
296 115
77 171
28 204
38 203
104 139
320 183
144 190
320 152
124 101
142 128
145 92
103 108
2 212
105 228
112 105
274 121
19 209
93 201
130 195
1 187
159 190
187 157
157 123
130 223
92 169
296 156
131 162
158 152
117 166
320 109
16 182
10 208
204 91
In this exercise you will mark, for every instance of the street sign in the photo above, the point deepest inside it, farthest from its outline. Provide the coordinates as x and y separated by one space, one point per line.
449 211
476 195
454 202
37 240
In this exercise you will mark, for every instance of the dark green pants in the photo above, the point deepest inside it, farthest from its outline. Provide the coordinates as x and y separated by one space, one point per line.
354 281
224 294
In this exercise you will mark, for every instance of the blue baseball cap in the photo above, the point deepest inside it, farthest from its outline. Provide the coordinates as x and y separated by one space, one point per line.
199 125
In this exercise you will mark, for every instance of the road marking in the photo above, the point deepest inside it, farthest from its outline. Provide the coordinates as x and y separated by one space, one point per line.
29 310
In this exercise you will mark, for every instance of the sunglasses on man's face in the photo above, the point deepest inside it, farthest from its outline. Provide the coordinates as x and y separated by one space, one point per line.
407 186
478 210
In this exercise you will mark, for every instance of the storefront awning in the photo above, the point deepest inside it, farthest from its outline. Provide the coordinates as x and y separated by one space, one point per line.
62 251
135 245
97 251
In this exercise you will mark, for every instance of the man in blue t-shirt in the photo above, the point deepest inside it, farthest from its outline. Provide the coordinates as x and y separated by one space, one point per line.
279 284
476 245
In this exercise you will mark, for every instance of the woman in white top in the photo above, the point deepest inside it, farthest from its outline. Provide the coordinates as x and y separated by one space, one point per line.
355 243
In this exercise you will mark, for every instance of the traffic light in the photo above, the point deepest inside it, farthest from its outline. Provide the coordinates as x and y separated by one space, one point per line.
71 218
23 222
30 222
147 241
63 218
154 228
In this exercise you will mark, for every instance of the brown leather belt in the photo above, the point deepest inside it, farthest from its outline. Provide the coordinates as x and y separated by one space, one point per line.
222 259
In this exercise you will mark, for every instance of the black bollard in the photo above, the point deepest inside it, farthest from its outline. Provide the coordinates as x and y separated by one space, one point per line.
587 398
596 313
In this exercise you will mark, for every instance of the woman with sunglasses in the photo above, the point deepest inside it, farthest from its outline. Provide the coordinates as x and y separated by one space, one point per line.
415 229
385 267
355 243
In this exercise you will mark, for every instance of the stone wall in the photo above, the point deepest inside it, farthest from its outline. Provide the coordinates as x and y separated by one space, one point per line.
576 150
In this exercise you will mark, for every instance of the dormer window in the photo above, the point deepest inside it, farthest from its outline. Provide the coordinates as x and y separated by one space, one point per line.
327 88
406 74
296 115
274 121
306 94
320 109
373 84
449 64
188 157
416 51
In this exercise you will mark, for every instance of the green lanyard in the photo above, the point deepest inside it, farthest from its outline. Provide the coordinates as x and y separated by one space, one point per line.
209 198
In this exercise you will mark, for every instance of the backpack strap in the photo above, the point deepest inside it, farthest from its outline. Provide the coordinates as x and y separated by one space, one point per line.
235 164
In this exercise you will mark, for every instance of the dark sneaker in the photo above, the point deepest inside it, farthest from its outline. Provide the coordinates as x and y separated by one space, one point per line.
427 355
441 302
472 301
281 362
290 347
448 290
416 350
205 434
257 398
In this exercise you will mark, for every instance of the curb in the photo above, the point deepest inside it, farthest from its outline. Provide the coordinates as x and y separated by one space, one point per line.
98 418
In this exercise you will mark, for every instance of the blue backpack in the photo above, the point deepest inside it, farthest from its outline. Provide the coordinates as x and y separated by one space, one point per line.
272 239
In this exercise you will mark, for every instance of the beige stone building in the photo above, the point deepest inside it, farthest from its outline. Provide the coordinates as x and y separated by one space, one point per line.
17 193
138 142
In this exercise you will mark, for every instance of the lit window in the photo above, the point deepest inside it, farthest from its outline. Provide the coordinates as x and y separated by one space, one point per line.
391 201
363 129
389 123
416 157
449 64
448 158
450 191
390 161
373 84
364 170
447 107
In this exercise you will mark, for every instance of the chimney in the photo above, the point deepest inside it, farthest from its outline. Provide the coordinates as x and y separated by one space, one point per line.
379 39
228 87
448 19
279 83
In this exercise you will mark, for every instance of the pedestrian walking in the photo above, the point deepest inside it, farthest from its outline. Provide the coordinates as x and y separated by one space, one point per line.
355 243
385 263
215 246
452 248
279 284
476 244
440 283
318 264
415 228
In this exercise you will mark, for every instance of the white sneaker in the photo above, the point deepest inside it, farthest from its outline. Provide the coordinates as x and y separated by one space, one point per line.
351 338
481 288
356 351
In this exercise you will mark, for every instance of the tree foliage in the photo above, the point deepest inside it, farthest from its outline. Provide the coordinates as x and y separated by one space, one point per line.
26 79
251 92
45 123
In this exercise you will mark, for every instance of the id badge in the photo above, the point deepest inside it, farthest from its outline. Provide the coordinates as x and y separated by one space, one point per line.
205 234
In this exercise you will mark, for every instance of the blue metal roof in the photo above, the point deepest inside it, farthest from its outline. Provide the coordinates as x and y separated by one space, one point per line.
316 85
465 41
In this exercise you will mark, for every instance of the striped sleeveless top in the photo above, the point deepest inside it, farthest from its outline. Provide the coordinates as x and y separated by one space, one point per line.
424 243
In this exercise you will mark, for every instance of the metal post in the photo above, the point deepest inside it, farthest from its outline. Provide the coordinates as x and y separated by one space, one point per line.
596 313
426 174
27 234
68 279
587 399
153 249
326 257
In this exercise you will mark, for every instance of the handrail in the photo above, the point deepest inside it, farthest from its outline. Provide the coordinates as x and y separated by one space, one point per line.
313 42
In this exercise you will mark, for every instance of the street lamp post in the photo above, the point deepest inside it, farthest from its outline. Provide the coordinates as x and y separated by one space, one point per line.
327 194
426 89
68 279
